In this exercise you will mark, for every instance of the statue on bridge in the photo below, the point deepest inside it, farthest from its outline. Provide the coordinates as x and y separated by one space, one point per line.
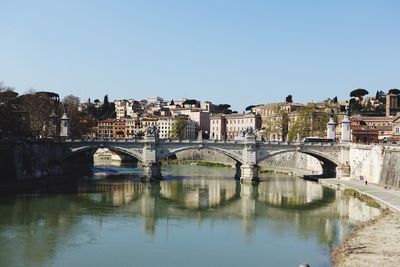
152 131
249 132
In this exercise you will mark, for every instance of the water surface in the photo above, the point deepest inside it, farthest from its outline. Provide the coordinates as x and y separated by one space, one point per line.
198 216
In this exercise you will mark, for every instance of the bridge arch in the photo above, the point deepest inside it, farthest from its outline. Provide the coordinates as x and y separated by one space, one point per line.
227 153
93 148
329 164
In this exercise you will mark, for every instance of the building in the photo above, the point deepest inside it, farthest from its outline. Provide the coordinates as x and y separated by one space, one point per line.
105 129
165 125
155 100
201 117
371 129
272 116
218 127
396 130
229 126
127 108
119 129
132 127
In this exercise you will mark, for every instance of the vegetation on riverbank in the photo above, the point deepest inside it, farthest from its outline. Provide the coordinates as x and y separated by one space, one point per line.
196 162
364 198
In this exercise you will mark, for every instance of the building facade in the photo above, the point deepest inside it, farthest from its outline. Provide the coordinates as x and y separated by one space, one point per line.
229 126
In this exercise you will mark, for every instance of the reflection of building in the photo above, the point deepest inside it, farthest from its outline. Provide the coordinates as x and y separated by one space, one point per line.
199 193
290 192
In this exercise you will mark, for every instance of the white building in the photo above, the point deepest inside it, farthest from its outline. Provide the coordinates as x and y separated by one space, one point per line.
164 125
202 118
229 126
155 100
126 108
217 127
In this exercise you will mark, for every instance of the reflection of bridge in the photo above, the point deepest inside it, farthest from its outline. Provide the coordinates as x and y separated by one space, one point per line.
247 153
201 198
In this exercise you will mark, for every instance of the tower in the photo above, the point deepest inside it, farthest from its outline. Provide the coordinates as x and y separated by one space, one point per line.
391 105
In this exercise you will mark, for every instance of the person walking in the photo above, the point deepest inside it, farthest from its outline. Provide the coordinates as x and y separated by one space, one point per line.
366 182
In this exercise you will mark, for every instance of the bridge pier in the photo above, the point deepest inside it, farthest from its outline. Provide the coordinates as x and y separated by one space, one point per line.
249 173
238 173
343 170
151 172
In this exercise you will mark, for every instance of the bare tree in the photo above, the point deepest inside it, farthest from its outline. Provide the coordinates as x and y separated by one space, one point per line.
39 107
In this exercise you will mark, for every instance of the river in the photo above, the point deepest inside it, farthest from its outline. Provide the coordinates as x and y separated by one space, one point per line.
196 216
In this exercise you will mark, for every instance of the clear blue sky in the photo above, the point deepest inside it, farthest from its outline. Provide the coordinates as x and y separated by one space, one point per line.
227 51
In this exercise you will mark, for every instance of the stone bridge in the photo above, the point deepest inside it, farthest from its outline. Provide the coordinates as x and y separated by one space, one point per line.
247 153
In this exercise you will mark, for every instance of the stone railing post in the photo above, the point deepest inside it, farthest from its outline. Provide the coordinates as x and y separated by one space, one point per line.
249 168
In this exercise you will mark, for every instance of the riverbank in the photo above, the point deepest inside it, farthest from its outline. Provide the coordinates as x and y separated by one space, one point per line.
375 242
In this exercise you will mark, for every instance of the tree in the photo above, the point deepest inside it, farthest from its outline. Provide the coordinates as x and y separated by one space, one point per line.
10 124
178 128
190 102
223 108
289 99
277 127
107 110
394 91
302 126
249 108
39 108
335 100
80 123
360 93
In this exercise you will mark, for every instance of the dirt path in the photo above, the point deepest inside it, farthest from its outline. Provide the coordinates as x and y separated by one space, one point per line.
374 243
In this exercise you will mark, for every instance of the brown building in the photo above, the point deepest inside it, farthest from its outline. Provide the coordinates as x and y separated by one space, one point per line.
119 129
111 129
371 129
105 128
279 119
396 130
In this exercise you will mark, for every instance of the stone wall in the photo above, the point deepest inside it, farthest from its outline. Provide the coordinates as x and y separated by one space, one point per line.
205 155
291 161
377 164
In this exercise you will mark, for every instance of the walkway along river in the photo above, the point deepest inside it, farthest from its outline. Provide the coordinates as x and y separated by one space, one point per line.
376 242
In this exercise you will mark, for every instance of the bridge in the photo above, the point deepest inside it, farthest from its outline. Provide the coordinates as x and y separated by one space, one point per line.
247 153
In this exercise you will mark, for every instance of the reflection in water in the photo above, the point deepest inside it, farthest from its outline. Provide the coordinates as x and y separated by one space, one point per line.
42 230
